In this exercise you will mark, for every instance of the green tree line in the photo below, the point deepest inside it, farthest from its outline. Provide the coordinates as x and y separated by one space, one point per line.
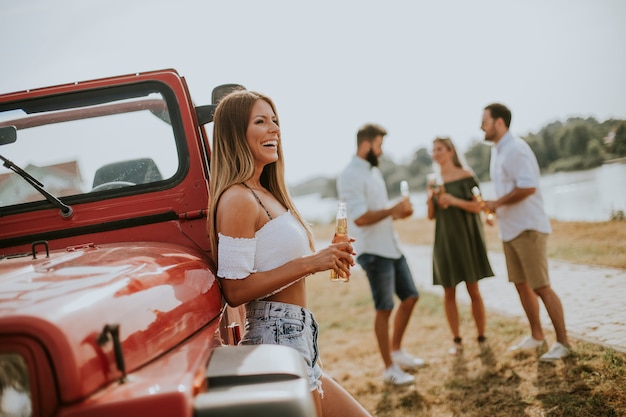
574 145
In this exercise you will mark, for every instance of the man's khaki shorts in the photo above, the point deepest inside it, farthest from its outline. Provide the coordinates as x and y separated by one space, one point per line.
527 259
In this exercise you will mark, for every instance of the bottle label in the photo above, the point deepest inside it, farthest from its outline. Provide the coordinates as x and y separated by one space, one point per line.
342 226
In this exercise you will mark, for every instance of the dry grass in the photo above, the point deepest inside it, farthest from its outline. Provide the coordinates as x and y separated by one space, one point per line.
602 243
493 382
589 243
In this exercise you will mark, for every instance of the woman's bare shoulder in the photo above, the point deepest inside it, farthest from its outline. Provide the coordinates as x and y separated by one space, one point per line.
237 204
236 194
466 173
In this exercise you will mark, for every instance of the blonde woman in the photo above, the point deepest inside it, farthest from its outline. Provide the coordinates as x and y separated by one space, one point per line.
262 247
459 252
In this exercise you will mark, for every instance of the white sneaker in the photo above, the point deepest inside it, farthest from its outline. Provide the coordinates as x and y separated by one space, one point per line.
528 343
404 360
557 351
396 376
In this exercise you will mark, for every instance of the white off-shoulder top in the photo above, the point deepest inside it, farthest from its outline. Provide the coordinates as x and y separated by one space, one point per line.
276 243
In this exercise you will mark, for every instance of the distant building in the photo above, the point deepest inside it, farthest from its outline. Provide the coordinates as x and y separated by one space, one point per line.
59 180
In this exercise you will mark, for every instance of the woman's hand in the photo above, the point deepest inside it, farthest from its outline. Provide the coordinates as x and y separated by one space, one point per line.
473 206
445 200
336 256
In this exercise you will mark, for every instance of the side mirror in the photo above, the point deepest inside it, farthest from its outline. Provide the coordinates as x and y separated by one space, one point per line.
8 134
205 113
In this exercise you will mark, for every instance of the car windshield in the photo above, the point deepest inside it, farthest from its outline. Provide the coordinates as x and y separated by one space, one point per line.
94 145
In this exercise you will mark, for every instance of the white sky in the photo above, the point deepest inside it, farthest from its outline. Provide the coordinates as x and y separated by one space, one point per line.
419 68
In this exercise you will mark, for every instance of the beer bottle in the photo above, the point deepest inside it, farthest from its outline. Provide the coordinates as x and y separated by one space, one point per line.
404 189
479 198
341 235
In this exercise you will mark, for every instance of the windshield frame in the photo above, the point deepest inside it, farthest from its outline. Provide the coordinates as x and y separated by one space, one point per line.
70 106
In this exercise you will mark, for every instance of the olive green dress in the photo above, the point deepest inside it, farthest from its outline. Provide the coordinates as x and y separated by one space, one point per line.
459 252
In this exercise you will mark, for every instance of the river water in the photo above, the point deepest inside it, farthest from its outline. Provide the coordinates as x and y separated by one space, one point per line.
589 196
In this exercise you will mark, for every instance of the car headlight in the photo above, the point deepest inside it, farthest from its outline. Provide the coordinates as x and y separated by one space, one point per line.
15 400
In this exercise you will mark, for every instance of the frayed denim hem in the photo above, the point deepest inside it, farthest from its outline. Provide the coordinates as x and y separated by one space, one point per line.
318 388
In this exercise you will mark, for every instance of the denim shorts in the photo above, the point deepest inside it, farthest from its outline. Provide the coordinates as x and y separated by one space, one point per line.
388 277
269 322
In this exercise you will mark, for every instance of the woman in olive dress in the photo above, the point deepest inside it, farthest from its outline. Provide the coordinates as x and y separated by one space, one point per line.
459 252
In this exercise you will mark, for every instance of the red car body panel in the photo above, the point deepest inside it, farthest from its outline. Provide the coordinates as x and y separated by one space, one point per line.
159 294
165 388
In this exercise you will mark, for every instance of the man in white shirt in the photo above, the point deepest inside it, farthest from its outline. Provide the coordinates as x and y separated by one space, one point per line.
370 216
524 229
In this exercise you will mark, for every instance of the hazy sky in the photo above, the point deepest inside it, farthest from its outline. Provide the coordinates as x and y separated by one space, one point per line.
419 68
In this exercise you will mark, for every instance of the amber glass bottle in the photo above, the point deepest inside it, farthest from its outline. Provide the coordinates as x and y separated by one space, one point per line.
341 235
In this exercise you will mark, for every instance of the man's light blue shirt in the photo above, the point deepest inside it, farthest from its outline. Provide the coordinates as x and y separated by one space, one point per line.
363 189
514 165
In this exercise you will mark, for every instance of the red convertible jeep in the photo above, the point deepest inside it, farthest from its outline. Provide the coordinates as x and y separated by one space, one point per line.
108 303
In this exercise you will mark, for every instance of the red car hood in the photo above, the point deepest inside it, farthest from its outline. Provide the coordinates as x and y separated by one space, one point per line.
158 294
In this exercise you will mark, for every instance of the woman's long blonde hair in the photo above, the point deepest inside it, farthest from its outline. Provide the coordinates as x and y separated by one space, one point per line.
232 161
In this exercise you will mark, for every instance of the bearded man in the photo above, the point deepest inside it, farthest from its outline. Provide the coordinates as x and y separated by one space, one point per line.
370 216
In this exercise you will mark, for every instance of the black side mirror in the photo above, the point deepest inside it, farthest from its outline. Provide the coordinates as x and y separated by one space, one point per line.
8 134
205 113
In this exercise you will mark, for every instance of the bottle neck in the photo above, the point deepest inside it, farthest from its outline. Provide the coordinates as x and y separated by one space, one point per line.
341 224
341 211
